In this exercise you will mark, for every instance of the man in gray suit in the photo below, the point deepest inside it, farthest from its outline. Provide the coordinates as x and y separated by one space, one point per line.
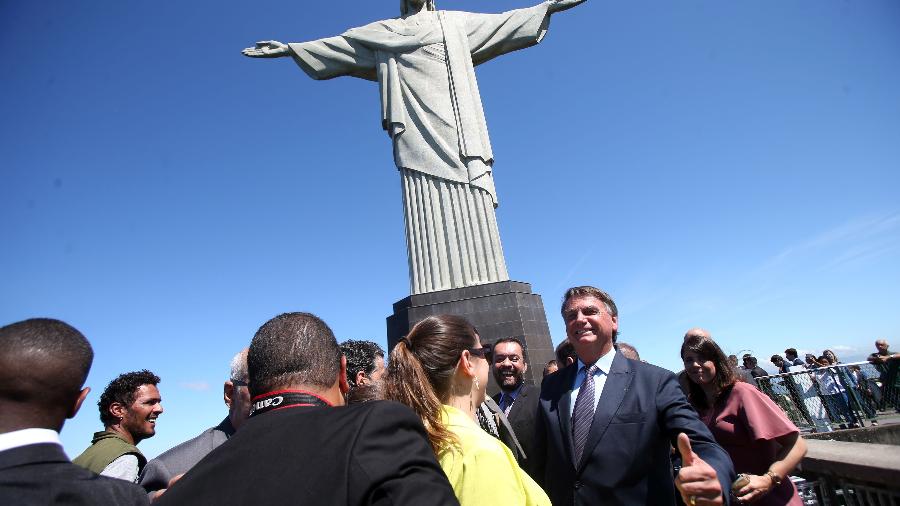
159 472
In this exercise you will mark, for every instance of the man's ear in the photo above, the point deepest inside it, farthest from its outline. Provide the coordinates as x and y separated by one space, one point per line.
361 378
342 378
228 393
118 410
77 405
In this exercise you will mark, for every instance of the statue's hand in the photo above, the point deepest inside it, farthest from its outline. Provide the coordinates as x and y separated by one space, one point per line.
267 49
561 5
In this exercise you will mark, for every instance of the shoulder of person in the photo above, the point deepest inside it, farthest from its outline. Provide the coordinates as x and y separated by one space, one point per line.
479 446
383 408
743 388
643 369
186 445
528 390
130 491
558 380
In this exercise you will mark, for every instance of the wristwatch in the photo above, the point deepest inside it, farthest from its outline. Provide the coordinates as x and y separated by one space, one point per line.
776 480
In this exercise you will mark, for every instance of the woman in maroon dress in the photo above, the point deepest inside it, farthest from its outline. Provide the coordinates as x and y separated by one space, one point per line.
764 445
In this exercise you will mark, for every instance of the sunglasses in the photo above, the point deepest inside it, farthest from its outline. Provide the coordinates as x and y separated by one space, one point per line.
486 351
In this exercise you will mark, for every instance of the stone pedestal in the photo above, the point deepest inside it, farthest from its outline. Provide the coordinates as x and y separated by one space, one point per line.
503 309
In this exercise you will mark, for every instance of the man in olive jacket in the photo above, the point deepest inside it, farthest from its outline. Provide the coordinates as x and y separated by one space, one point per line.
129 408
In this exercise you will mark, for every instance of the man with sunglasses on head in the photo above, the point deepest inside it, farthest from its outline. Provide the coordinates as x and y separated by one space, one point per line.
170 465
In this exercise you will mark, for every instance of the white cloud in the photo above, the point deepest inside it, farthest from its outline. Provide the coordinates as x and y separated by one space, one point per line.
856 240
197 386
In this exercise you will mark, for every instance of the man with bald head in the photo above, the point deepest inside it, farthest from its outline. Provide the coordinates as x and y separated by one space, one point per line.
171 464
628 351
883 353
697 332
887 364
43 366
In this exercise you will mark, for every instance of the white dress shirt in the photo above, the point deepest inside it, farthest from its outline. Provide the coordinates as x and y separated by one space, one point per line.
25 437
603 365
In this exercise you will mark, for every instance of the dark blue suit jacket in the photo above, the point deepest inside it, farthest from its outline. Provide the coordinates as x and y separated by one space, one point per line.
627 455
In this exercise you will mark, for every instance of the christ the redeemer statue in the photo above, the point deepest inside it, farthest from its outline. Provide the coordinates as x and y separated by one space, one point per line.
424 62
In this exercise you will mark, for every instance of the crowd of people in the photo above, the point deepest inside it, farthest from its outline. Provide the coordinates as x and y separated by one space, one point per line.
311 421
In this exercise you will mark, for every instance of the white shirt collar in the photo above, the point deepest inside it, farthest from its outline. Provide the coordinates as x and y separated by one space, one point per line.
603 363
25 437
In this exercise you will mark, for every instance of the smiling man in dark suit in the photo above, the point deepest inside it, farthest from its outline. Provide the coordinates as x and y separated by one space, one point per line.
43 365
301 445
605 423
517 400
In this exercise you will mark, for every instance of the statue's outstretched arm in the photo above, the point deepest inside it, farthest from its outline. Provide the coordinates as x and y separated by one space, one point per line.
561 5
268 49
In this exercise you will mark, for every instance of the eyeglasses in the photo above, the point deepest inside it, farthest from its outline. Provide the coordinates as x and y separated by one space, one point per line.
486 351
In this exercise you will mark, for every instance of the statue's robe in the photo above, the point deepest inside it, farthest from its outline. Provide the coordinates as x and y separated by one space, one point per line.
431 108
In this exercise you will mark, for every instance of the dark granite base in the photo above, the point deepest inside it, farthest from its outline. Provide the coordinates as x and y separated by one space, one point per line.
504 309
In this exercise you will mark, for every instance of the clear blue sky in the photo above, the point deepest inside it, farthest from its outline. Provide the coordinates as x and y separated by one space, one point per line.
733 165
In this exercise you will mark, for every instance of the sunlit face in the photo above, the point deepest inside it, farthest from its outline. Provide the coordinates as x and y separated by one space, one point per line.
700 370
881 346
832 359
589 327
140 418
509 365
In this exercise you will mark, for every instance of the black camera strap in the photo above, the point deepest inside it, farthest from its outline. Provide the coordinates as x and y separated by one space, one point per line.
283 399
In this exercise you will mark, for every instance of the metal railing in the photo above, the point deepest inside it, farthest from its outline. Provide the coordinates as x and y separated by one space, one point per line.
826 491
836 397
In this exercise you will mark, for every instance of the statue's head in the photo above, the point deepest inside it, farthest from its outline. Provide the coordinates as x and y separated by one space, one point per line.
407 6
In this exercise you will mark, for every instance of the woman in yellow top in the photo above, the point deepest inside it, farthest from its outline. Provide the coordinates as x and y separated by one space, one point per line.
440 370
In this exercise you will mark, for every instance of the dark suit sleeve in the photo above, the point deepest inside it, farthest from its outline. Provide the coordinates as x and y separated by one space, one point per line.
393 452
537 462
155 476
678 416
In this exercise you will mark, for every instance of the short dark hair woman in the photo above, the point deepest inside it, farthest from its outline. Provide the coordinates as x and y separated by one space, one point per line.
763 444
440 370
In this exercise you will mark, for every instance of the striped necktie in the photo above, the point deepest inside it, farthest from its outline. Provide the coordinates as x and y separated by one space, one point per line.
583 414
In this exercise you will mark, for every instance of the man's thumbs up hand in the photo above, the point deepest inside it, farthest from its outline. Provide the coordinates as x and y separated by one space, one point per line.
697 481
